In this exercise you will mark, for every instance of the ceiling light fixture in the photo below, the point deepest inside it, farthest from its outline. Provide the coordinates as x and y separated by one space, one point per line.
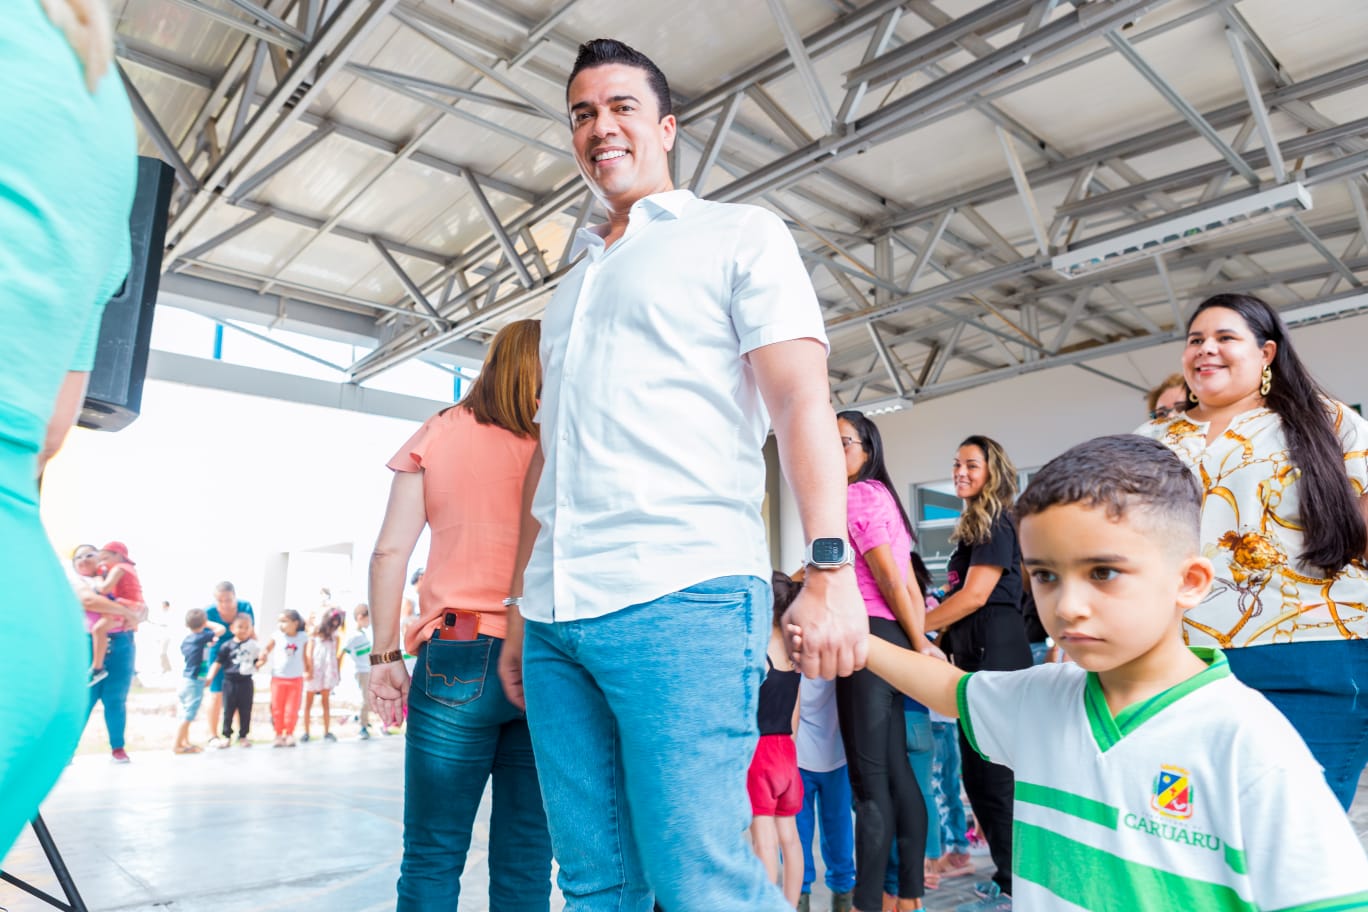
1188 227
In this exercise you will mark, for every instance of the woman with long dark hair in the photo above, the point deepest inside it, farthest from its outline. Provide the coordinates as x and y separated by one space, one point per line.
888 801
984 627
1283 470
461 475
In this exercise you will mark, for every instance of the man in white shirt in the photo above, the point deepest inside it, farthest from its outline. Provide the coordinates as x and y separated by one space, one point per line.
666 352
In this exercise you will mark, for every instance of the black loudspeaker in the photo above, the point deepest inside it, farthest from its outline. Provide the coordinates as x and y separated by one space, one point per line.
116 381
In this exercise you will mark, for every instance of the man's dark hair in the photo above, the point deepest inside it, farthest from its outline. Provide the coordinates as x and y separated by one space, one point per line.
1120 474
603 51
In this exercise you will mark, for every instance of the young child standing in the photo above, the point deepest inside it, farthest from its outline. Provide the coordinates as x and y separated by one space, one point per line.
325 667
358 646
195 649
775 786
120 582
237 658
286 653
1165 779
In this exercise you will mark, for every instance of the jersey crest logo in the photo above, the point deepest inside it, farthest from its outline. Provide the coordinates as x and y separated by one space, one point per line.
1172 792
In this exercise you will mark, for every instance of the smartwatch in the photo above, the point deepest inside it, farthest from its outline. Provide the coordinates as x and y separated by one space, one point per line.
828 553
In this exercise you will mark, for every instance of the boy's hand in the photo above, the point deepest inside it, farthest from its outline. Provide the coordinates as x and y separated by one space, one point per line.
834 627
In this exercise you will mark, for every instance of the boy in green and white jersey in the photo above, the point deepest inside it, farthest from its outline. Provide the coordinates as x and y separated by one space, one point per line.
1163 782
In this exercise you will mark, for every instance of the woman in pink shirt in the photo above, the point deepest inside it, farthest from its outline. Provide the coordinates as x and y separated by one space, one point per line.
888 801
461 476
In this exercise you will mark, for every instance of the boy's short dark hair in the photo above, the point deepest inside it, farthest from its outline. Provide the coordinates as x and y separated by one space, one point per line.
1120 474
241 617
195 619
603 51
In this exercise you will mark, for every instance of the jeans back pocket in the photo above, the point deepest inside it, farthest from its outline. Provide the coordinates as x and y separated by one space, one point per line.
455 670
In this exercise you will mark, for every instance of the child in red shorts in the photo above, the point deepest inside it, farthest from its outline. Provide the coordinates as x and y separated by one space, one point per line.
774 783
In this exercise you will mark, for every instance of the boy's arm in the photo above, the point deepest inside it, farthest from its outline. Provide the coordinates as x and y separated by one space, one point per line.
929 681
213 670
219 629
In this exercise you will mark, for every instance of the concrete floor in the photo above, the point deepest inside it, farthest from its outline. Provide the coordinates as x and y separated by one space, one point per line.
313 828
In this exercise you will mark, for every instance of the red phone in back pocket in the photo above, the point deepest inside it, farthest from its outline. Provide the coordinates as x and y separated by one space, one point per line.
459 625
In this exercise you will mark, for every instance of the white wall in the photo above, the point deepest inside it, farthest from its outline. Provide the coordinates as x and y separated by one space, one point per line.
1039 415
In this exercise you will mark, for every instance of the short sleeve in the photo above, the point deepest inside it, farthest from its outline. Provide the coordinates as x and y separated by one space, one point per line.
988 713
1353 433
867 516
1000 549
772 296
410 455
225 653
1290 821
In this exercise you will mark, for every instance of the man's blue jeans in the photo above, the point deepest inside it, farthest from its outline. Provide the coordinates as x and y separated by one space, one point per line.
113 690
462 730
946 776
644 725
828 795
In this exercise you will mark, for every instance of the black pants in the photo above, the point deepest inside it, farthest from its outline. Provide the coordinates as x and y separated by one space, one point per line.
998 644
237 698
888 801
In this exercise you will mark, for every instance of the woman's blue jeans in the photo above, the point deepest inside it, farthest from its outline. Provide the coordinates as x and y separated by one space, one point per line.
461 731
645 723
1322 689
954 824
113 690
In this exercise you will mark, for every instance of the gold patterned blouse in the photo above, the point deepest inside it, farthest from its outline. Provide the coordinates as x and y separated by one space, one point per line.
1252 533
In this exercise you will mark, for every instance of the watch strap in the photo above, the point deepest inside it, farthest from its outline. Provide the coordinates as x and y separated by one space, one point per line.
384 658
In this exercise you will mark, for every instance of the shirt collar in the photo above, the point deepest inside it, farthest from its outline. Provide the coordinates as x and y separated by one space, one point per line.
670 204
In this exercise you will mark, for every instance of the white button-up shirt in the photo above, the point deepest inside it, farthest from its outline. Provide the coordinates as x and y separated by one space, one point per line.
651 422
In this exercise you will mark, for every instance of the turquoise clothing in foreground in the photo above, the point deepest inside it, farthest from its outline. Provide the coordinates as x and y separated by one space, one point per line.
68 170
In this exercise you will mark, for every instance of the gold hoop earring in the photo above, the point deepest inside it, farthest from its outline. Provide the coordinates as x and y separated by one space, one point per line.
1266 380
1192 397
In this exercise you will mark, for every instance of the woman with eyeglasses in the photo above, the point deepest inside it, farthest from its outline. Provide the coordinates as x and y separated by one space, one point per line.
1168 398
984 627
1283 470
68 169
888 800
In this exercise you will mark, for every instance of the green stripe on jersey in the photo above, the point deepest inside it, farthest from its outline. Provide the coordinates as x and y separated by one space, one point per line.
1079 806
1235 858
1338 904
1102 882
967 724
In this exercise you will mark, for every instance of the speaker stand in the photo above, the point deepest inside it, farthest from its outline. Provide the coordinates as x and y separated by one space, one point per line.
74 902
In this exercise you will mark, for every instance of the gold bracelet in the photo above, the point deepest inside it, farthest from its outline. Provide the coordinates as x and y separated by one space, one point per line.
384 658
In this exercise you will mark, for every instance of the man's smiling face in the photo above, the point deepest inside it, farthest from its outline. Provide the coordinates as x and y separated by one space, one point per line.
621 143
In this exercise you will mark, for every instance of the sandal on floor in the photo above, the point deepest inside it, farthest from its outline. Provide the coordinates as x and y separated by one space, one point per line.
190 749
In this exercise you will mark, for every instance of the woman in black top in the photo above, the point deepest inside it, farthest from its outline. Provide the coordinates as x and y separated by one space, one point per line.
982 617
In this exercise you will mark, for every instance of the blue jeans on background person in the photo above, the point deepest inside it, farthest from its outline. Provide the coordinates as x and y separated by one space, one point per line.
644 722
828 795
1317 687
113 690
921 754
461 731
1040 651
946 778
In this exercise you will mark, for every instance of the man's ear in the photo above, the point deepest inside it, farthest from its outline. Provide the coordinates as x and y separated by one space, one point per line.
668 126
1197 576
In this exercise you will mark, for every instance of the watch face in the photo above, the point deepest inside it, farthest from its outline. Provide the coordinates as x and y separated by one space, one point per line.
828 551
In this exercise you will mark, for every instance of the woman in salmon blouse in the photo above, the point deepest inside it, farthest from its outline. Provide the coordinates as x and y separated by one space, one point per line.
461 476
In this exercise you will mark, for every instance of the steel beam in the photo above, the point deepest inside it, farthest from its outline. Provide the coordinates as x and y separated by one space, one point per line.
149 122
878 43
281 161
501 234
1256 105
714 145
1028 201
256 31
821 105
404 279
